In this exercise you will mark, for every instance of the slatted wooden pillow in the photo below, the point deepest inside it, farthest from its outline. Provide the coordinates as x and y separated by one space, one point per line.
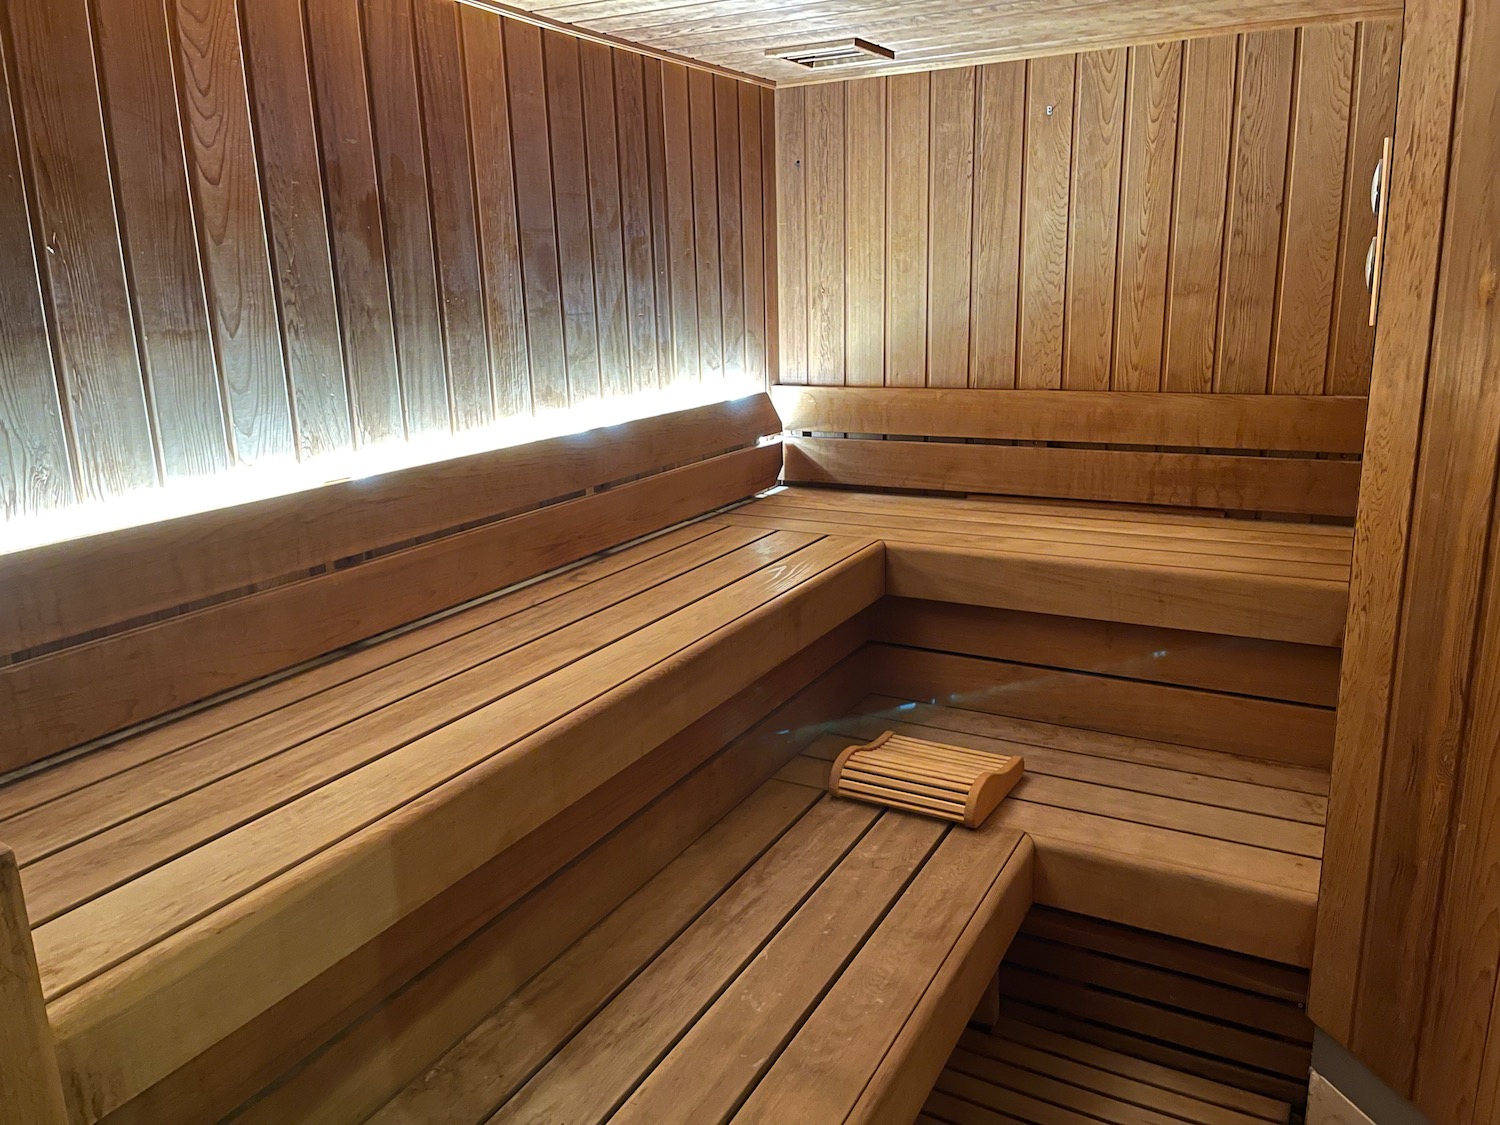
948 782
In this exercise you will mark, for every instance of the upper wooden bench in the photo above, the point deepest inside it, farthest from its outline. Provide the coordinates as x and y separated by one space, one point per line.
1089 550
184 879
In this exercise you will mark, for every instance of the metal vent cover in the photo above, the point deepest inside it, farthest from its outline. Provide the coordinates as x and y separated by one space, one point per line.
834 52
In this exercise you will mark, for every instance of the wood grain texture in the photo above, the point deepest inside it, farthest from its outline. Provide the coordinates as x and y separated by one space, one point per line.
345 134
924 33
1314 205
950 208
909 101
1169 220
1429 66
864 220
1094 220
1151 142
57 108
30 1083
156 216
194 557
1044 219
1205 132
36 471
997 224
1257 182
301 229
1287 485
1305 424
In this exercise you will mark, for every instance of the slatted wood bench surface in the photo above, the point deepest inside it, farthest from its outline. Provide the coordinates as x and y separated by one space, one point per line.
807 959
1020 1074
183 880
1261 579
1203 845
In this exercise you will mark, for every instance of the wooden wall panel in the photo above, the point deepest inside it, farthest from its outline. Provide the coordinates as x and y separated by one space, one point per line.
1408 950
1175 216
242 233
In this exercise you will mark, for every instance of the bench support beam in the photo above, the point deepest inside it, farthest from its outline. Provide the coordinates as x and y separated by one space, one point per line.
30 1082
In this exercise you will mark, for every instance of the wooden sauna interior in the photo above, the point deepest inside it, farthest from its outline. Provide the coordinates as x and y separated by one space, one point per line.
468 470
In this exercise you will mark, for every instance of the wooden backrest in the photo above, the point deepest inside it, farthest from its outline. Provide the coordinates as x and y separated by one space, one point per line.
1260 453
115 629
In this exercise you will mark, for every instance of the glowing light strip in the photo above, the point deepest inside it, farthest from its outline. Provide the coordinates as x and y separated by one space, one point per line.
284 476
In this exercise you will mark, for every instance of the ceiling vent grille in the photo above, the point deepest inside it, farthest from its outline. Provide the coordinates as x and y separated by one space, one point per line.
836 52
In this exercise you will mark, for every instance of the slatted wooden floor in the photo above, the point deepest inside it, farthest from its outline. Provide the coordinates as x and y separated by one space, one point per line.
1272 580
783 968
1208 846
1021 1074
287 826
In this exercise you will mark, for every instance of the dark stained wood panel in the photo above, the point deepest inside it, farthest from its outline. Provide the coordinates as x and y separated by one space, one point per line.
923 33
156 212
58 107
271 233
35 467
287 148
356 227
1164 217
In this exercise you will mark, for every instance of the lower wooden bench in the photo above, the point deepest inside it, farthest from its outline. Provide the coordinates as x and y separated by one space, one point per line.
808 959
1206 846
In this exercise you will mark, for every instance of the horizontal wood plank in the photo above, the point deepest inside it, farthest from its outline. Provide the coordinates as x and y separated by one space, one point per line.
1307 486
1289 423
65 698
1237 605
74 587
126 1029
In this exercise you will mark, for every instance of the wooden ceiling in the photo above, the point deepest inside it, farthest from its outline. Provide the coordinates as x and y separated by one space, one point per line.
736 34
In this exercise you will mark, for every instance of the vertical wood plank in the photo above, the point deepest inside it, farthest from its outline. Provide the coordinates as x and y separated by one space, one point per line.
570 193
1372 118
791 219
336 49
952 223
731 235
535 217
635 218
445 116
1314 203
1146 215
909 115
1428 753
705 160
495 198
997 224
287 143
1094 219
599 117
401 159
678 154
1044 220
59 99
35 475
771 229
1257 185
1206 123
1381 567
656 164
31 1090
825 233
753 229
864 217
156 214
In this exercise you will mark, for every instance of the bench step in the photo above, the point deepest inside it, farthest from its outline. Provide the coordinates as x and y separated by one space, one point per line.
807 959
1202 845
